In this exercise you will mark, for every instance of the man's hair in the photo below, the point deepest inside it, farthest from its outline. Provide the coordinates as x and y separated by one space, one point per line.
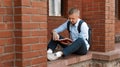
74 11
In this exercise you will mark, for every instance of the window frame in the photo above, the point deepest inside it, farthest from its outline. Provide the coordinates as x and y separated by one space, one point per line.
54 7
64 9
117 9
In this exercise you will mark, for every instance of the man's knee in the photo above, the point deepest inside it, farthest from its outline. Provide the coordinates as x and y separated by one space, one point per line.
80 40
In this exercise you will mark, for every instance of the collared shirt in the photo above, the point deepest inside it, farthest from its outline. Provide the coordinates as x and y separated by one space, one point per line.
74 34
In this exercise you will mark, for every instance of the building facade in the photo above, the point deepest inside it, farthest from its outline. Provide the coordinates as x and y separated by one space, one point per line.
25 27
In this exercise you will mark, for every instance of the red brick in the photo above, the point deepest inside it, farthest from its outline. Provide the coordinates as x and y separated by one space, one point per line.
18 10
17 3
2 42
8 49
9 11
1 18
1 50
23 63
27 26
2 10
18 56
17 18
18 48
10 41
2 26
30 26
7 3
40 65
27 10
8 18
35 10
39 60
33 54
7 26
10 26
28 40
39 33
7 57
41 18
40 11
26 18
39 4
1 64
43 39
22 33
26 2
39 46
8 64
43 25
24 48
6 34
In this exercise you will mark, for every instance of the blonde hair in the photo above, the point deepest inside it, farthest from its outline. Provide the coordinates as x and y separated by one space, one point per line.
74 11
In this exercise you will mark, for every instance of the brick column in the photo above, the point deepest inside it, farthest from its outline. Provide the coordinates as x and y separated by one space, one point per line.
100 15
7 52
30 33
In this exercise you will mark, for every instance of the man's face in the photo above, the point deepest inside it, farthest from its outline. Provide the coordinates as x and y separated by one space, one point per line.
73 18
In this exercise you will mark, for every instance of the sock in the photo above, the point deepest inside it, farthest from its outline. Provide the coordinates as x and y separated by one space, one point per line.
49 51
59 53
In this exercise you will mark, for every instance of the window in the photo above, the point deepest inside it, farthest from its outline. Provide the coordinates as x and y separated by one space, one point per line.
54 7
117 9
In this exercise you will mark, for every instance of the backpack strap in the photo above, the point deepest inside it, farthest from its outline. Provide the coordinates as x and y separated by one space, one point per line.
68 26
79 29
79 26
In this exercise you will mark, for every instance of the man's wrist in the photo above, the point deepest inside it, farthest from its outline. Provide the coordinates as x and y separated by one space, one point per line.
54 32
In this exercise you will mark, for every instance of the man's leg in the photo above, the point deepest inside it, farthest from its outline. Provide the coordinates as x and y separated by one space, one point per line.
78 46
53 44
51 47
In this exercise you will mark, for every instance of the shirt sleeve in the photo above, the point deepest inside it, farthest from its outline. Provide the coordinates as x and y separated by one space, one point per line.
61 27
84 31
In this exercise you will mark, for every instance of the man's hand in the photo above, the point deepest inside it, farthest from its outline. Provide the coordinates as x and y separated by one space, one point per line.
55 35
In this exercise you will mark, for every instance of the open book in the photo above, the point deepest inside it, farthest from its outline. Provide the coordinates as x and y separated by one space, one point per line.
66 40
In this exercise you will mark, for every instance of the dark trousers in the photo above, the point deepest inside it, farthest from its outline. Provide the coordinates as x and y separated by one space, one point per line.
77 47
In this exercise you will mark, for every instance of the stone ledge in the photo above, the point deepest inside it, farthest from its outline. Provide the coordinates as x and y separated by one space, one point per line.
107 56
72 59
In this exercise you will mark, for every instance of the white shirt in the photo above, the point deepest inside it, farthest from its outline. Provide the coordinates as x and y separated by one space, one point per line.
74 34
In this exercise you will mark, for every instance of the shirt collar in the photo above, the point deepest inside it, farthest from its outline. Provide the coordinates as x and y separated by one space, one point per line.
76 24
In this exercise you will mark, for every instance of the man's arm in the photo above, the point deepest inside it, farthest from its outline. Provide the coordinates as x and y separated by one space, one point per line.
58 30
61 28
84 30
55 35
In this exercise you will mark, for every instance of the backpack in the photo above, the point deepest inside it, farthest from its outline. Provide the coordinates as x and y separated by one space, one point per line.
79 30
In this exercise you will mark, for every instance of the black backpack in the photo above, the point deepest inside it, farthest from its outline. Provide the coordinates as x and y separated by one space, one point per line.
79 30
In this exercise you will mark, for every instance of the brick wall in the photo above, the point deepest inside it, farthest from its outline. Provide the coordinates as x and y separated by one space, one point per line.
117 31
30 33
117 28
100 15
54 22
23 33
7 48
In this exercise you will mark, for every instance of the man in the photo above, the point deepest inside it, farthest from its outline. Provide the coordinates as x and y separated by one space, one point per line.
77 43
